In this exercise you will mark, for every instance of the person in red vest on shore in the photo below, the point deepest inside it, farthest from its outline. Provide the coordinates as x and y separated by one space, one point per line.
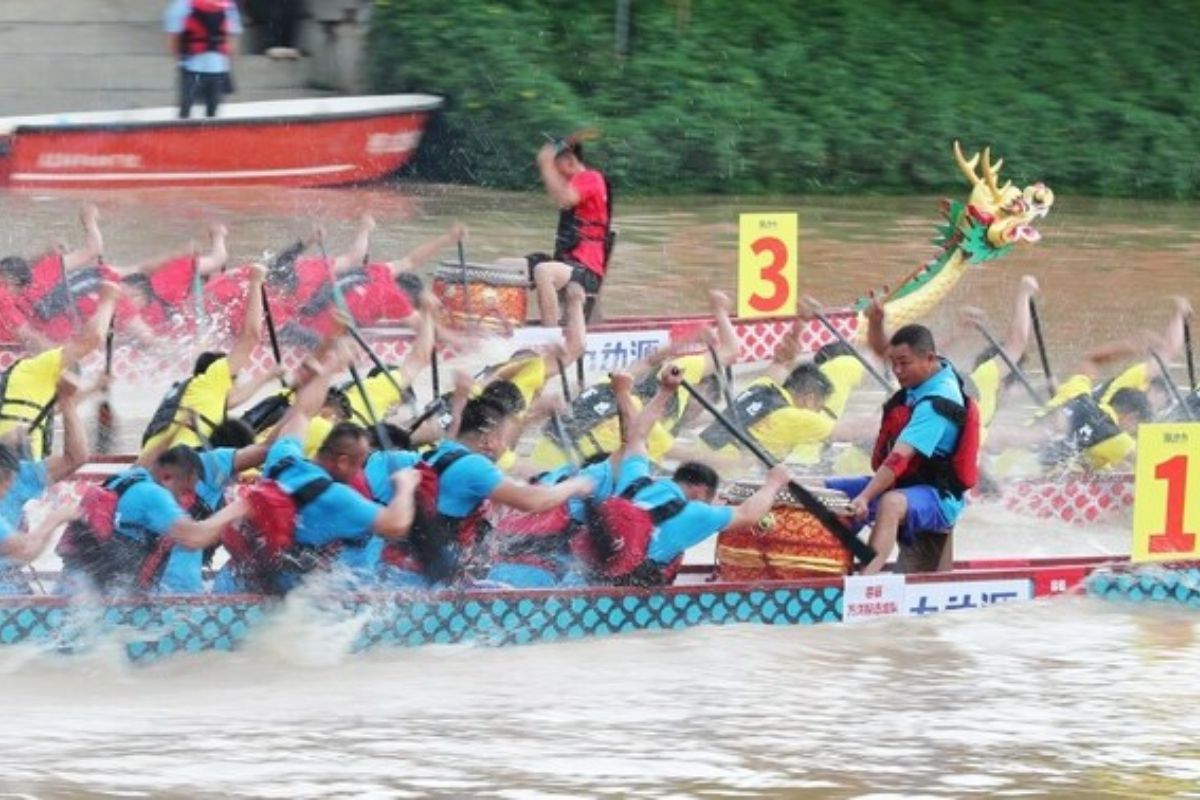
201 33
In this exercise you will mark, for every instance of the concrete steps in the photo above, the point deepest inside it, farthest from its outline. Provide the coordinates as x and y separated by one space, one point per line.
82 55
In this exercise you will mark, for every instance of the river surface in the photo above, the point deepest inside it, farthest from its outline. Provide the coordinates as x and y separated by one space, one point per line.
1070 697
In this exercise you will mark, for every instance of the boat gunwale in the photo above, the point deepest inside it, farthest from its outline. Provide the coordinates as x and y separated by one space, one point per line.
976 571
201 124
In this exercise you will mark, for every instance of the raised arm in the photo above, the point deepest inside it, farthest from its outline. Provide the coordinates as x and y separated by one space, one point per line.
877 338
218 254
252 324
25 546
1018 329
75 442
424 252
559 189
359 248
93 242
92 334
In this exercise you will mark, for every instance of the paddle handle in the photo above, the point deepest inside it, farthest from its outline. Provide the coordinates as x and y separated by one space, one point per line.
272 334
723 382
874 373
462 266
1171 387
1017 371
376 360
860 549
1041 345
1191 358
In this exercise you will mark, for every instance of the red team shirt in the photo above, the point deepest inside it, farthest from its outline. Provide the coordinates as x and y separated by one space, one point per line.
592 211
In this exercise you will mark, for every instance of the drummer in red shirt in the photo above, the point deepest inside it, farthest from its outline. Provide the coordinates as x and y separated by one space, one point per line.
581 243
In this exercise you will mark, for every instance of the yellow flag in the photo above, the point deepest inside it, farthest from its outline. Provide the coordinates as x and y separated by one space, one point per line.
1166 504
767 269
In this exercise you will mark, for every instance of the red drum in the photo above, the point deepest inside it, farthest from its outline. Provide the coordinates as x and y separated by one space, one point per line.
495 295
788 543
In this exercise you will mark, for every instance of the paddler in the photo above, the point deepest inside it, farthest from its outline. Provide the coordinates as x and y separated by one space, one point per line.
23 480
925 457
165 290
27 386
1098 422
991 374
194 409
42 290
593 422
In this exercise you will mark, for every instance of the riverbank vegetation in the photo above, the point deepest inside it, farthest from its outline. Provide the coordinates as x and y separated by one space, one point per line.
756 97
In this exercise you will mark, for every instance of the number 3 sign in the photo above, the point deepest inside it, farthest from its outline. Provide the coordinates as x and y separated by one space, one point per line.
1166 506
767 265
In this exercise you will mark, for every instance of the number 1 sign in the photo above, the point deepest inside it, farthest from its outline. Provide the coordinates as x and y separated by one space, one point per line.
767 265
1166 506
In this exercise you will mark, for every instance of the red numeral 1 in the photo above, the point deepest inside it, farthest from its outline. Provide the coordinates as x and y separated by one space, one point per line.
1173 540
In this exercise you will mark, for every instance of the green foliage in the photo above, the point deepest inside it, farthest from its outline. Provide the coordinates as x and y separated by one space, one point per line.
820 96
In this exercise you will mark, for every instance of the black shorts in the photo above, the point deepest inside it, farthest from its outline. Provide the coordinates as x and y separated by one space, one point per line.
580 274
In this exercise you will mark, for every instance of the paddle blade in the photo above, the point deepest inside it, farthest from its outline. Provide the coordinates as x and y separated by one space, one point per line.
106 424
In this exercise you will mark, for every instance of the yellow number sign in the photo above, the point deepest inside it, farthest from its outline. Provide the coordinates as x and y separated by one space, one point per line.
767 265
1166 505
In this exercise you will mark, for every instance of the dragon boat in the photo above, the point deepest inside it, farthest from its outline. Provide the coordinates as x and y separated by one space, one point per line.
150 628
987 226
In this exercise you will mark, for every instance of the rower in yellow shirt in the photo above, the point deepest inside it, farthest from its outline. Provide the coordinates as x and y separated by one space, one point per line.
28 385
593 424
194 408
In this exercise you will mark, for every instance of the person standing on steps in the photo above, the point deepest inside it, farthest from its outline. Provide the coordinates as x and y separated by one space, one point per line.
202 34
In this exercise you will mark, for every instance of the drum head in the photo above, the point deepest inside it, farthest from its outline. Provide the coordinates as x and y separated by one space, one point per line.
832 499
491 274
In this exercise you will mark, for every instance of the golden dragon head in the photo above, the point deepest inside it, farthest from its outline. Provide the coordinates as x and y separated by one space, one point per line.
1008 212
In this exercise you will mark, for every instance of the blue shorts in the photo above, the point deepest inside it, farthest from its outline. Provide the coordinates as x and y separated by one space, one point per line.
924 508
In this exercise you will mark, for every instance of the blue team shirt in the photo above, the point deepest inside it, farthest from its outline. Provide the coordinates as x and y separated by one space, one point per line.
380 467
173 22
467 482
929 433
184 573
146 509
29 483
695 523
337 514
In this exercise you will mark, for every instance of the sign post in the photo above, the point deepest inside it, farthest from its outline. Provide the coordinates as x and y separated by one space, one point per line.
767 269
1166 504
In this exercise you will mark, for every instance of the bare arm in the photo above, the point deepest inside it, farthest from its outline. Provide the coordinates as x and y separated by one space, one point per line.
559 189
218 255
424 252
727 341
783 358
246 390
396 519
25 546
876 335
252 323
759 504
1018 329
75 443
199 534
250 457
91 336
357 253
883 479
533 498
93 242
421 352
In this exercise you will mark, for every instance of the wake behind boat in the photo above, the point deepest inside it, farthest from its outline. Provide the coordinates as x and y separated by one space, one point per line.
306 142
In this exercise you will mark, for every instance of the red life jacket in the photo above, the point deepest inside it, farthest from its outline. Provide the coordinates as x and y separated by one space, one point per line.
439 545
263 544
575 228
206 29
616 538
112 560
951 474
536 539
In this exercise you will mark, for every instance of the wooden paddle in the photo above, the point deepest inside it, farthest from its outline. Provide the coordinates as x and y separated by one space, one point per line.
105 418
724 382
1041 344
862 551
1171 387
271 333
466 286
1016 371
1187 349
874 373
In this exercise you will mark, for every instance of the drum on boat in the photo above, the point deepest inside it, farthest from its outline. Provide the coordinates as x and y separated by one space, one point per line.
495 295
788 543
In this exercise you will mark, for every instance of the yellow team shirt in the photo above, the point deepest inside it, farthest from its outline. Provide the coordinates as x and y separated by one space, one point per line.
380 392
986 378
1136 377
206 394
607 434
1112 451
845 373
32 381
789 431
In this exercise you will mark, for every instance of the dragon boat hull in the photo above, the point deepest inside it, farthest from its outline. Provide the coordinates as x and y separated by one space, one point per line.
1076 499
153 628
331 141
